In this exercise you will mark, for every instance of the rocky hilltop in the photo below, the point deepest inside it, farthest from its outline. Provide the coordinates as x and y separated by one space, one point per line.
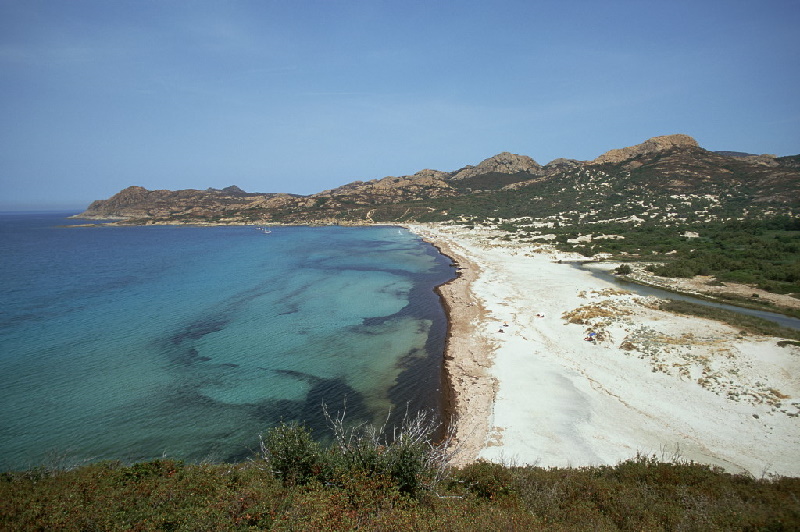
648 147
501 186
139 205
503 163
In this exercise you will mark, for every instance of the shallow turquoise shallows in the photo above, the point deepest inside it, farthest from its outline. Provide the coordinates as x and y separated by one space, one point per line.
134 343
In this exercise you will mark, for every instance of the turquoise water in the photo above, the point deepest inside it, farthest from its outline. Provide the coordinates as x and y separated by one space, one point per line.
136 342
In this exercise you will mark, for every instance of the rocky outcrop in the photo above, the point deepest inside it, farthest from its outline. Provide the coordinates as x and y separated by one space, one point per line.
502 163
138 203
130 202
233 190
650 146
423 184
765 159
561 164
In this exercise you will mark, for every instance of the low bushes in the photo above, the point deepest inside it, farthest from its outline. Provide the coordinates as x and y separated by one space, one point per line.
640 494
367 480
408 459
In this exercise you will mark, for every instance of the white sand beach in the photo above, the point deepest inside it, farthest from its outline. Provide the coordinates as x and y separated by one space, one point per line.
530 389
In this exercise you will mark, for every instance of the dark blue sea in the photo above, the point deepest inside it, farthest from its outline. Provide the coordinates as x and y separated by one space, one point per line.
134 343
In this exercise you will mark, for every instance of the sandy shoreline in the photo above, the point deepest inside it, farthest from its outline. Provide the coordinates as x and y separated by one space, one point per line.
529 389
467 357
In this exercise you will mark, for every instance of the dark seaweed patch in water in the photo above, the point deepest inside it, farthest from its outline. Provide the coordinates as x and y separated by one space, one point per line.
335 393
420 385
218 318
370 326
289 301
307 377
187 397
185 357
423 374
270 413
213 321
200 328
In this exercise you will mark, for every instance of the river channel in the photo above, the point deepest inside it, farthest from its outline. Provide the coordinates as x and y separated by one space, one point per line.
600 273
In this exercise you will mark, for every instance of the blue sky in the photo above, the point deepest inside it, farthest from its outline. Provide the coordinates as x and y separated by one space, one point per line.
300 96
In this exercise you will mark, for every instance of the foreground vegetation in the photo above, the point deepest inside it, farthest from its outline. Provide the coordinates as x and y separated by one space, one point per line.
364 481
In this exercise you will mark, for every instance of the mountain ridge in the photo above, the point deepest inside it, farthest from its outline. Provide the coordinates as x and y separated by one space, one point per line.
669 164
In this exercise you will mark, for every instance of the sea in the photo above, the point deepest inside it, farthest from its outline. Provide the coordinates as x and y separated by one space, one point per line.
142 342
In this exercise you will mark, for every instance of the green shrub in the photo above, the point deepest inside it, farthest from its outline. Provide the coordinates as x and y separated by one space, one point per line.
508 226
640 494
407 459
292 453
623 269
487 480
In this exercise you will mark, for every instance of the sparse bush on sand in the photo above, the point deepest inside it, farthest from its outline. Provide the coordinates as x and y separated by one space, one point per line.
602 309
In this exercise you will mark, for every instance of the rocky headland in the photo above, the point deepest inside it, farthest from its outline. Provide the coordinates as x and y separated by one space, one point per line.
520 186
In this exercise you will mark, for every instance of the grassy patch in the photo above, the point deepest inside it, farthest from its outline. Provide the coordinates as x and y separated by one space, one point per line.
602 309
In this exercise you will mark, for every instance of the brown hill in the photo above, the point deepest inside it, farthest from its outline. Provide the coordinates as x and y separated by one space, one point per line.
666 165
648 147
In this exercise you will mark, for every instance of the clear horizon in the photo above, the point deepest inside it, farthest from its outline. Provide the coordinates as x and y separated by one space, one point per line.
302 97
42 207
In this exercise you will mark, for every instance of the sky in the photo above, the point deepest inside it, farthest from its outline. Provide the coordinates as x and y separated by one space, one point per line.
302 96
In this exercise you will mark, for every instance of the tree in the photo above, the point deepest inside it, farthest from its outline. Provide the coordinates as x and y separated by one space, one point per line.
623 269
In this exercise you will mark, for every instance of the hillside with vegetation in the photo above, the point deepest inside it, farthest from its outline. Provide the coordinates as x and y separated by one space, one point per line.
365 482
665 179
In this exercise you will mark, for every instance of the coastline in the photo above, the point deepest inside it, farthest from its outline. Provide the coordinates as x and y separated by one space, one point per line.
470 387
653 383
